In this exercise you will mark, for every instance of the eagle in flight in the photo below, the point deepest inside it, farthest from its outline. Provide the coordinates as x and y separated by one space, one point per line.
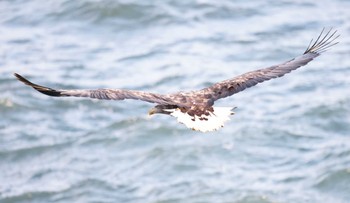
195 108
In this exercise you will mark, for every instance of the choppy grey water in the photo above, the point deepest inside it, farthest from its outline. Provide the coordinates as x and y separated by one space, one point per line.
288 142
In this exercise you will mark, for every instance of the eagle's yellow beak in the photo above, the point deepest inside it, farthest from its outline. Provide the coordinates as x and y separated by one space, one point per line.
152 111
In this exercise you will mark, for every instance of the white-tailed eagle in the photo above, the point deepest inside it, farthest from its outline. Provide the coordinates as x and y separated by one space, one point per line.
195 108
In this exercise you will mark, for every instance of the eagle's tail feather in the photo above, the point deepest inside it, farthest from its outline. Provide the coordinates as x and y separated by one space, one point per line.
204 123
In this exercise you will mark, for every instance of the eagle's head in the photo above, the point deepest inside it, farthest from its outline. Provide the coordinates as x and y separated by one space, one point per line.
162 109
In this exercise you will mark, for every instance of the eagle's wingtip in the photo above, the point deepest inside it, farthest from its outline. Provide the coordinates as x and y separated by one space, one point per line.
18 76
323 42
22 79
39 88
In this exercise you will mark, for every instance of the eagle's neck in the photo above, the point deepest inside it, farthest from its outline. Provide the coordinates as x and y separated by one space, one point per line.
204 123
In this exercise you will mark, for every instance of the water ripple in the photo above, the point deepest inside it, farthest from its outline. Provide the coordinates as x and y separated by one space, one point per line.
287 142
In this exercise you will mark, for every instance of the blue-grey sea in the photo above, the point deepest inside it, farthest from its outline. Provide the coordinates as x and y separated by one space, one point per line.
289 141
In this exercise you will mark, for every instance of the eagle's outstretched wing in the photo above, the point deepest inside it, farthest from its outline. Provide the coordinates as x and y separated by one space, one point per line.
231 86
206 96
107 94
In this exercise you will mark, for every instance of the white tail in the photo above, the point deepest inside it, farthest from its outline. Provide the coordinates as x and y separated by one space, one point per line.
213 121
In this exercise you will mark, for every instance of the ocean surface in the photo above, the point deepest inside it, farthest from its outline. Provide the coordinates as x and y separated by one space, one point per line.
288 142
